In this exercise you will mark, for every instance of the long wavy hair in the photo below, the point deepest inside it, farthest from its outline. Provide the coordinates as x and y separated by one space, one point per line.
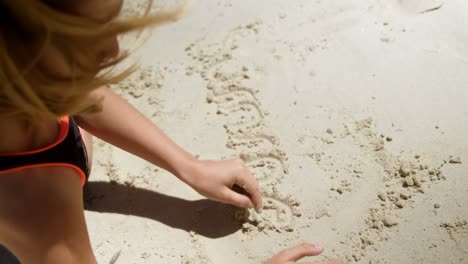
26 27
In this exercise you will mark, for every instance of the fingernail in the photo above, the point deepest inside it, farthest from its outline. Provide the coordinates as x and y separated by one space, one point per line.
259 209
317 248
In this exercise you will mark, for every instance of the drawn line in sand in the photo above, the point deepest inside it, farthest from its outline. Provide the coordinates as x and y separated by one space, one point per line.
260 143
278 215
458 232
232 96
266 169
247 129
243 117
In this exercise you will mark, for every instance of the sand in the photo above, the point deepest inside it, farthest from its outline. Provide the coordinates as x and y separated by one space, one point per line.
352 115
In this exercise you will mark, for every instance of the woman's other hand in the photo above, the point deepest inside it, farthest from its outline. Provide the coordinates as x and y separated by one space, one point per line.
294 254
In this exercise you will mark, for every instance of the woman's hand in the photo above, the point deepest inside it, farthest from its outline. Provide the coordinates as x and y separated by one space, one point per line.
294 254
123 126
218 180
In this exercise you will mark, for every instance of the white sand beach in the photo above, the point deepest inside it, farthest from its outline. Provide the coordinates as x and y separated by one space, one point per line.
353 116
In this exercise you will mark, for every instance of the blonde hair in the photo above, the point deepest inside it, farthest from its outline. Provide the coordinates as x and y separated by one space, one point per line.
26 27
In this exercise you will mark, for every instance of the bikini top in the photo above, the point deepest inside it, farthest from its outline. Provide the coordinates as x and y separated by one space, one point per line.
68 150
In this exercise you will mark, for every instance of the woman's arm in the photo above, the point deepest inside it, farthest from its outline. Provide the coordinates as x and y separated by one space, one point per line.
123 126
120 124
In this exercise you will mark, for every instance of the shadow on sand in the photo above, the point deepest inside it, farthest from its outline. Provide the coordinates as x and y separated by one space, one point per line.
205 217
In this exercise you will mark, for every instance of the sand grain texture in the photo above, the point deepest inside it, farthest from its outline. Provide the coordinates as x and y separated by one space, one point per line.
351 114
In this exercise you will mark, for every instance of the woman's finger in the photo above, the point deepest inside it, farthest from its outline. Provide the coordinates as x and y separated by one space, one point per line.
248 182
237 199
300 251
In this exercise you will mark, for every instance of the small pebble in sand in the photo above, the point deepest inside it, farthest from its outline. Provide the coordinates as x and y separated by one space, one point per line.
436 206
382 196
417 156
262 226
329 131
322 213
389 139
408 182
455 160
405 195
386 40
113 182
405 168
417 181
356 257
241 215
339 190
389 221
399 204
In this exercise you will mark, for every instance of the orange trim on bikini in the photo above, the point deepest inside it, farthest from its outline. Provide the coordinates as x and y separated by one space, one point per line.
76 168
64 125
